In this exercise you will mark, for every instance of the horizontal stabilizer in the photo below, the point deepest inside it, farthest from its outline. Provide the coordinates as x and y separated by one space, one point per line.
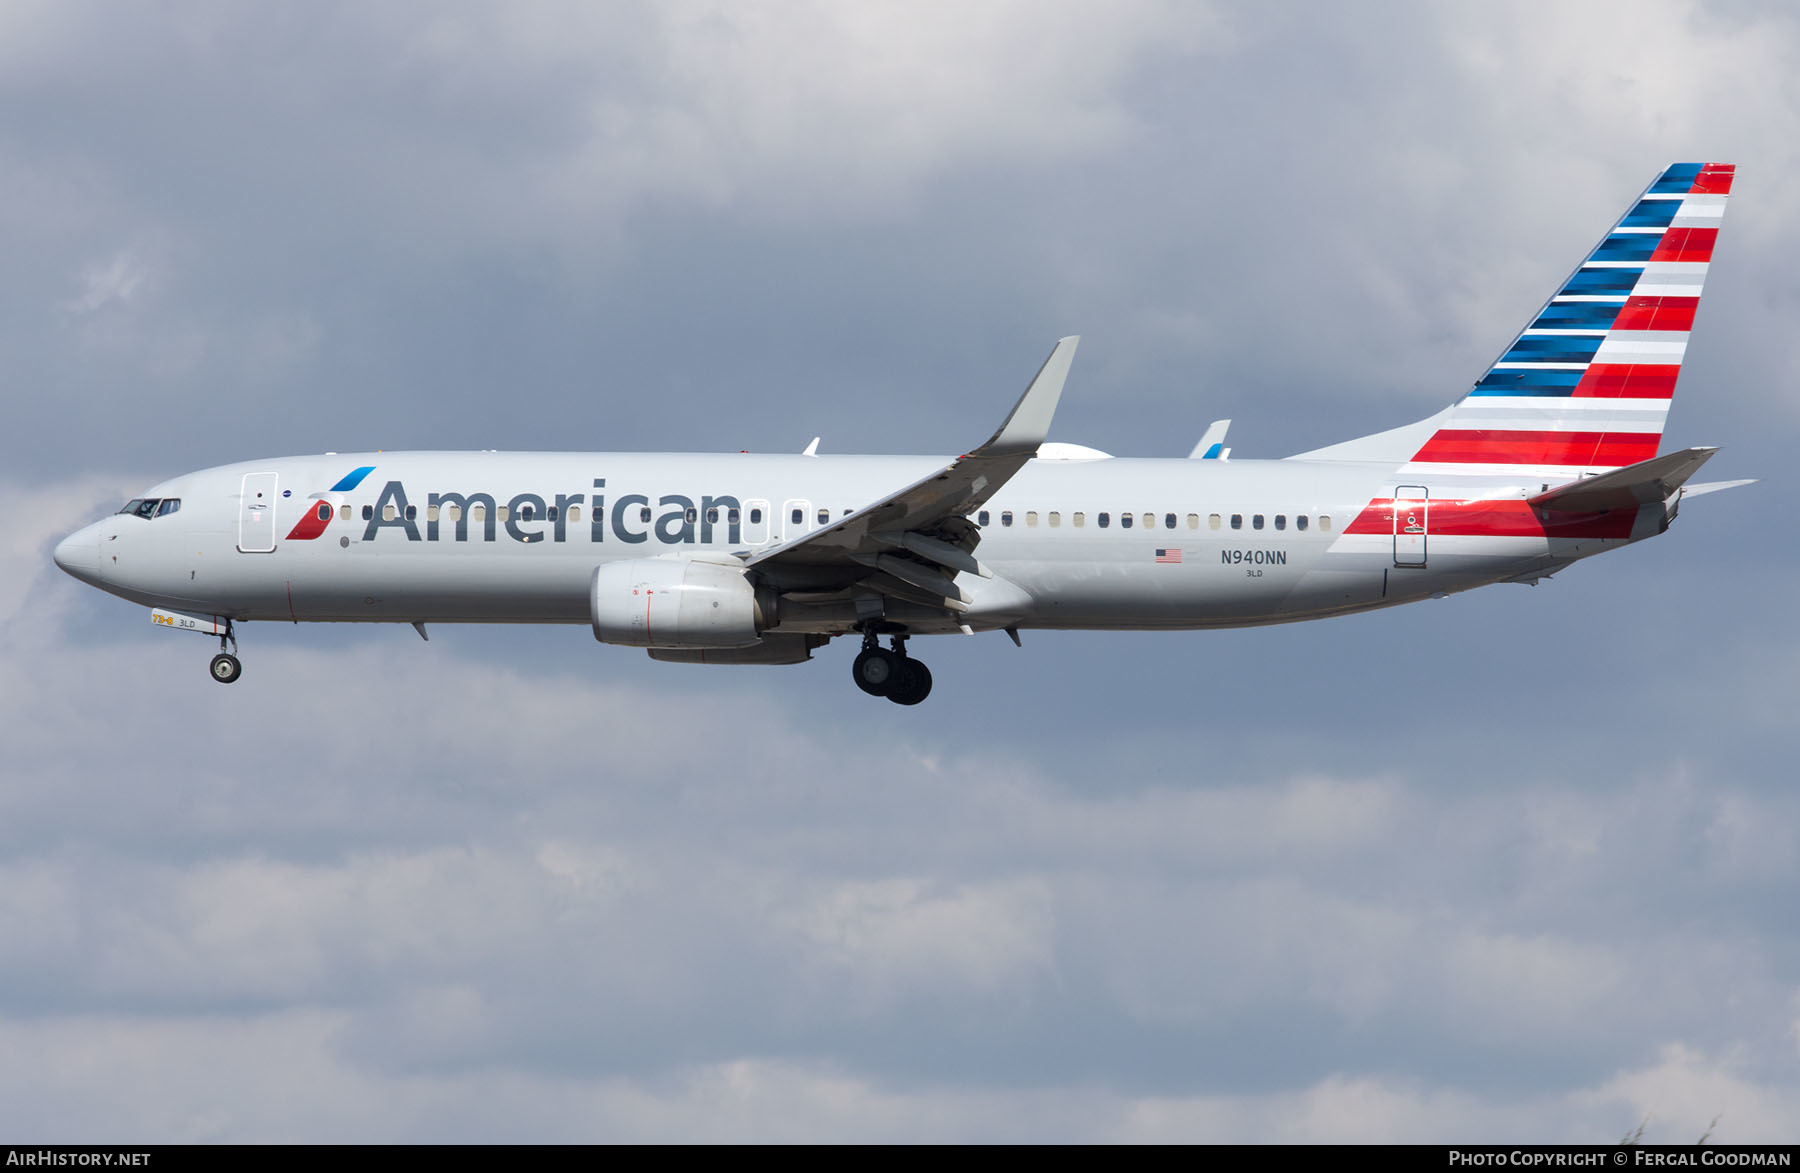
1644 483
1714 486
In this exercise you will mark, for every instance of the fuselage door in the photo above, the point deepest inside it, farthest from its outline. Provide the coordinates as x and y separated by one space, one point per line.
756 523
796 519
256 513
1412 524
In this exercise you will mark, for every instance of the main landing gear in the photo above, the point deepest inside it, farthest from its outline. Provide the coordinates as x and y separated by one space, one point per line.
225 666
893 674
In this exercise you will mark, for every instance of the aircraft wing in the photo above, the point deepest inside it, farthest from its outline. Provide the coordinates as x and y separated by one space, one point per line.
914 541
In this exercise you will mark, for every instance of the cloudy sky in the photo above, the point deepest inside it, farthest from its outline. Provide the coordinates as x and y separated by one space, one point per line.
1517 865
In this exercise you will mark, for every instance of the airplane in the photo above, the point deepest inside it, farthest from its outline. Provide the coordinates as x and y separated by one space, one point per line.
1550 457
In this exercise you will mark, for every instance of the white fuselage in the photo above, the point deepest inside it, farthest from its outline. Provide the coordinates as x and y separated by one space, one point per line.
1110 543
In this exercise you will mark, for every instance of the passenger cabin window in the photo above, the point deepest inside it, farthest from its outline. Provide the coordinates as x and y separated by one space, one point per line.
504 512
1194 521
690 515
324 511
1080 519
1213 520
1055 519
1103 520
1006 517
1168 521
455 512
1300 523
824 516
1256 521
1237 521
574 513
644 516
1281 521
368 513
798 516
1150 521
525 511
756 517
388 513
1324 521
412 513
431 513
981 518
1124 521
1031 517
478 512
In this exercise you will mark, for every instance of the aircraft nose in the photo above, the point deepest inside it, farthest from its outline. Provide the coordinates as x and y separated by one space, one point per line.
79 553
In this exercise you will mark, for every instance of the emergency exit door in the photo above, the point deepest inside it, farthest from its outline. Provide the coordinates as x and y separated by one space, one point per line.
1412 524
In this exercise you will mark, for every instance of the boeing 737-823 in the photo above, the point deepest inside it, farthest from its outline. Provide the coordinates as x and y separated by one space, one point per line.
750 559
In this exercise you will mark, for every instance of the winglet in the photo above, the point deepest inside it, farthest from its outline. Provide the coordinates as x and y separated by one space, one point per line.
811 449
1212 445
1029 422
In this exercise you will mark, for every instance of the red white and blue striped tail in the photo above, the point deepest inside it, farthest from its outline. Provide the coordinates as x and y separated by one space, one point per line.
1587 384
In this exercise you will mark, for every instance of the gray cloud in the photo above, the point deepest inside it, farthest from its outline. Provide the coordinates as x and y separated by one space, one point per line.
1511 866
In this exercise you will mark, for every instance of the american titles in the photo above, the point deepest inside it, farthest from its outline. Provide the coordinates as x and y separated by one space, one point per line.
675 519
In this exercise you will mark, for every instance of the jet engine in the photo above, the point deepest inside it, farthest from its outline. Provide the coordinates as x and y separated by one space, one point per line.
677 603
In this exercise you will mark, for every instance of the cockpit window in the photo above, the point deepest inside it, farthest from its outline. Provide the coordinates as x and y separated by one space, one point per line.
151 506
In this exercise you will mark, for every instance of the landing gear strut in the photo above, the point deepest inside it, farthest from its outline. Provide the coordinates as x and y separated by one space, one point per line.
891 673
225 666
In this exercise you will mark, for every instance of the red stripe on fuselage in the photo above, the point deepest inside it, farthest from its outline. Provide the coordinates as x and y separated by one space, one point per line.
1497 519
1657 313
1607 380
1567 449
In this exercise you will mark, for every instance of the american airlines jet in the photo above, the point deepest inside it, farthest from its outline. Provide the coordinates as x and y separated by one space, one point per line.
1551 457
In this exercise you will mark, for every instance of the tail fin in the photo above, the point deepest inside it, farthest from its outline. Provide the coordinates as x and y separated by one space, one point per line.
1587 383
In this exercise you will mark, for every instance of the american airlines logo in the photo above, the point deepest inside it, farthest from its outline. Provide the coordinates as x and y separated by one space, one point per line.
675 519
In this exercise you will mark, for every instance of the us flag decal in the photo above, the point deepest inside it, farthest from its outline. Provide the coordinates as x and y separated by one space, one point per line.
1168 555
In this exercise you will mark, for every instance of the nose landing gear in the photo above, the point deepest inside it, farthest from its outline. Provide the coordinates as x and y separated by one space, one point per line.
891 673
225 666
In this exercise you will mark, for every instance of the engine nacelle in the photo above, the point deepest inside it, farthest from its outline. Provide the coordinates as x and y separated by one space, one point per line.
676 603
